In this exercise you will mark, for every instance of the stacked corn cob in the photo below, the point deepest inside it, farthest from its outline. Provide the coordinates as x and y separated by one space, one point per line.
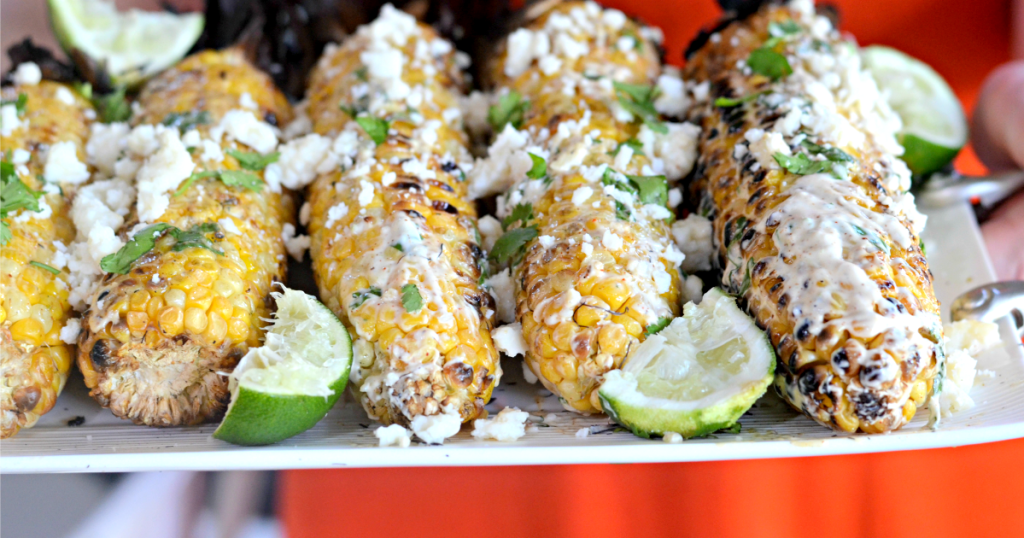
36 329
587 228
812 221
184 299
392 234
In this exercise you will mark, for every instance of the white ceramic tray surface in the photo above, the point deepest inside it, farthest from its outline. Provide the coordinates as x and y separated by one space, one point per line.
345 438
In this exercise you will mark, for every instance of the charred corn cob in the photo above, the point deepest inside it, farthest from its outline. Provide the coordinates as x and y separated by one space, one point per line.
593 264
184 298
392 233
799 170
36 341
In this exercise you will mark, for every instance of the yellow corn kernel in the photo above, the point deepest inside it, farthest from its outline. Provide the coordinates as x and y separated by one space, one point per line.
388 337
612 291
217 328
27 330
172 320
61 357
154 306
17 304
566 365
588 316
549 372
137 321
175 297
612 339
200 296
547 347
42 314
631 325
195 320
221 306
919 392
170 269
562 335
139 300
238 329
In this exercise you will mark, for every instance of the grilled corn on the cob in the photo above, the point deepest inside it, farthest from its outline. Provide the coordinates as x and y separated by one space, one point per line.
593 264
392 234
158 337
813 224
35 340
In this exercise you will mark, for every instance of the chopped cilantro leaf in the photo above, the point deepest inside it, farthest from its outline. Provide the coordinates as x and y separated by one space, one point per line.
539 169
766 61
511 108
784 28
639 101
376 127
520 213
727 102
251 160
141 243
361 296
511 245
19 103
621 211
657 326
45 267
651 189
113 107
633 144
872 238
187 120
412 301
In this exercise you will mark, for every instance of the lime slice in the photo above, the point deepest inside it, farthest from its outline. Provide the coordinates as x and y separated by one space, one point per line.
286 386
134 45
696 376
934 124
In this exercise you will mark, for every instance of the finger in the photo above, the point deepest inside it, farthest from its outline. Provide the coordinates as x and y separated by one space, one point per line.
1004 237
998 124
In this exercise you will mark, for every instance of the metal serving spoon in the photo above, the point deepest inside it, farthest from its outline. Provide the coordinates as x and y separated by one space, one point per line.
952 189
992 302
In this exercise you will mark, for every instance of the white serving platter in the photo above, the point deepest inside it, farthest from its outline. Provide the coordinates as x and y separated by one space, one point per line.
345 438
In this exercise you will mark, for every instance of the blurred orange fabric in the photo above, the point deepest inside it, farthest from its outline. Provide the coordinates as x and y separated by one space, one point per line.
957 492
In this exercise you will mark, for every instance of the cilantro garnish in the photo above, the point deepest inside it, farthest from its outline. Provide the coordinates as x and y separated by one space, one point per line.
639 101
376 127
186 121
19 103
251 160
657 326
785 28
361 73
872 238
14 195
633 144
539 169
726 102
520 213
361 296
802 164
511 245
511 108
651 189
621 211
112 107
45 267
412 301
638 43
231 178
121 261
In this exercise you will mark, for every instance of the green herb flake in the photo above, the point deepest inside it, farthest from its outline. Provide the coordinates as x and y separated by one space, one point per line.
657 326
638 43
114 106
520 213
633 144
361 73
511 108
231 178
539 169
920 243
726 102
398 247
195 237
84 89
186 121
639 101
787 27
872 238
801 164
376 127
738 227
511 245
251 160
14 195
121 261
651 189
361 296
767 62
19 103
45 267
412 301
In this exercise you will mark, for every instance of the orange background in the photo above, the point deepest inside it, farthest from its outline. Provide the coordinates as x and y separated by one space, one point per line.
973 491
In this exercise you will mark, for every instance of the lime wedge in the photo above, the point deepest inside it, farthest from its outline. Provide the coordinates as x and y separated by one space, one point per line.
133 45
934 124
696 376
286 386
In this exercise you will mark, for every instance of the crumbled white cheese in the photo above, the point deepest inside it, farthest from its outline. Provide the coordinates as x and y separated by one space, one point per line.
27 74
366 193
503 290
393 435
524 46
45 212
672 99
475 107
611 241
295 244
693 290
694 235
246 101
546 241
672 438
20 156
964 341
65 96
490 231
508 160
335 213
162 172
63 166
9 120
228 225
70 331
300 162
243 126
528 374
583 433
509 340
509 425
434 429
677 149
98 212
